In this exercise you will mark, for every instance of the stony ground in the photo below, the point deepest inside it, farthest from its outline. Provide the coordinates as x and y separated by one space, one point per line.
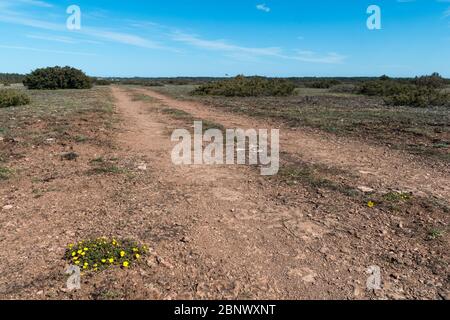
220 232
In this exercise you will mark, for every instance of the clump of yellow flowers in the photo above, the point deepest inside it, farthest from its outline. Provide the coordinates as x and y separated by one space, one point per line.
101 253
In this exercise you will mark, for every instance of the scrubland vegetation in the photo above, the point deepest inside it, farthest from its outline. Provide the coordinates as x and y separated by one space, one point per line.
247 87
11 98
57 78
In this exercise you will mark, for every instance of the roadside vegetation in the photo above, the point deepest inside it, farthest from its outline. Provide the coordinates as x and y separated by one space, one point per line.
57 78
421 92
11 98
247 87
102 253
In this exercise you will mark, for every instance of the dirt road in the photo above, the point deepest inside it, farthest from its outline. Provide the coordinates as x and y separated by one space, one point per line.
247 237
215 232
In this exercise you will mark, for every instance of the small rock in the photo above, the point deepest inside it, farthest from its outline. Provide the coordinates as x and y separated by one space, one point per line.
142 167
365 189
185 240
357 292
7 207
164 263
69 156
151 262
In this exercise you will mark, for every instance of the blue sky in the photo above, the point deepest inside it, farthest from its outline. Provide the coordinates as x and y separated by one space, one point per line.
215 38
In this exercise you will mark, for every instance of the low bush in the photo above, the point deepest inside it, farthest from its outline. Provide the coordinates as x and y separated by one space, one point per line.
405 94
11 98
242 86
57 78
102 253
419 97
433 81
102 82
322 84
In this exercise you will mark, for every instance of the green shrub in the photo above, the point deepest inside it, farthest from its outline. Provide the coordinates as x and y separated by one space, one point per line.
242 86
5 173
11 98
57 78
398 93
322 84
102 82
419 97
434 81
383 88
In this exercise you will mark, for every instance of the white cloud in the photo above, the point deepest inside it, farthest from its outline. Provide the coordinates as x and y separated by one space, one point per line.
45 50
36 3
447 13
276 52
118 37
225 47
61 39
51 38
310 56
263 7
221 45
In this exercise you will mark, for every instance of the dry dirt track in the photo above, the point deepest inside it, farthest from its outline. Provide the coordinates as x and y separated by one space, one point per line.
249 238
376 166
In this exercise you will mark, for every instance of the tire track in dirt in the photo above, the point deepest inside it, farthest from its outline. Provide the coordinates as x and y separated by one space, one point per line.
264 249
375 166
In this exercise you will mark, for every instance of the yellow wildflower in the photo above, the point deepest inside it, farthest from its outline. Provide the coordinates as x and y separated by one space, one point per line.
77 262
79 251
104 260
85 249
371 204
74 254
126 264
137 255
122 253
111 260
